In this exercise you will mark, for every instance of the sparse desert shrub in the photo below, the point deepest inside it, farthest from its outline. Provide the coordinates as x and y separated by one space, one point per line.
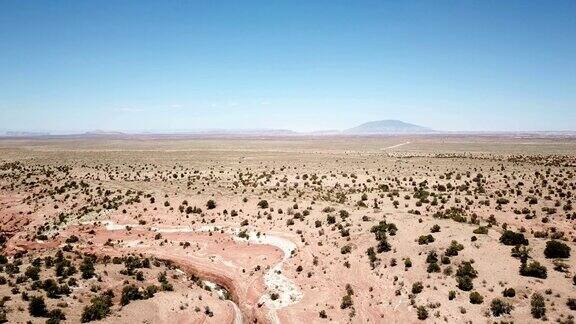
417 287
210 204
72 239
432 257
454 248
129 293
509 292
408 263
481 230
513 238
571 303
476 298
263 204
456 214
425 239
422 313
99 308
464 276
346 301
55 316
534 269
346 249
538 306
372 257
556 249
500 307
465 283
33 272
87 267
465 269
37 306
433 267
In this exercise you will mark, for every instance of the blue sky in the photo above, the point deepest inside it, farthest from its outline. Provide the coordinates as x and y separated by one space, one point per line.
302 65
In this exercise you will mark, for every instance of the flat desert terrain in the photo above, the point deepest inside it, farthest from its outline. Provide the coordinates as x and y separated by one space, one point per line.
399 229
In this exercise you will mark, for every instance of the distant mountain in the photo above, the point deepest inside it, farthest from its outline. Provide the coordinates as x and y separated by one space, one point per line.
389 127
101 132
243 132
25 134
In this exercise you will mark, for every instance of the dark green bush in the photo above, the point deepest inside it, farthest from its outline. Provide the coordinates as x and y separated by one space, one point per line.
513 238
534 269
538 306
37 306
509 292
99 308
500 307
130 293
556 249
417 287
476 298
263 204
422 313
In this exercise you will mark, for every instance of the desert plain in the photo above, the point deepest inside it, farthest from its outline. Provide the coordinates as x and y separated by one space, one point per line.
384 229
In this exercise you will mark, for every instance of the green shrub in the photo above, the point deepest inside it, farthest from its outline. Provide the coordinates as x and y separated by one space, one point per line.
534 269
87 267
422 313
346 301
433 267
513 238
210 204
55 316
37 306
99 308
476 298
538 306
346 249
33 272
454 248
130 293
425 239
509 292
432 257
481 230
466 269
571 303
417 287
465 283
408 264
556 249
500 307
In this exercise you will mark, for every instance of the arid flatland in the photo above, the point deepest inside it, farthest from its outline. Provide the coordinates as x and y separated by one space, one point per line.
391 229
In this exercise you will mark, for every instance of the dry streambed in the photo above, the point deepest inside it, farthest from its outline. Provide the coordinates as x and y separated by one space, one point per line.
281 291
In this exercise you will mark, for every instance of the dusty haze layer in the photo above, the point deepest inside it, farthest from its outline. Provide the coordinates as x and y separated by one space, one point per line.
288 230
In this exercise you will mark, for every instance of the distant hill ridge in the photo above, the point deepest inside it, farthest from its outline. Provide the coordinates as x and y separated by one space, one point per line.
389 126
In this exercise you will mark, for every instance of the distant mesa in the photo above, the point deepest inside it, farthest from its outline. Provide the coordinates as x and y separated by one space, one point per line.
25 134
389 127
103 133
242 132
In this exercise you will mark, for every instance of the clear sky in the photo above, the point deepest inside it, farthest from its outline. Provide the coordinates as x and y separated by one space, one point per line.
301 65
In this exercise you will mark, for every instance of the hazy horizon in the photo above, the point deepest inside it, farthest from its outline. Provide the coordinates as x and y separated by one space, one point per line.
305 66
